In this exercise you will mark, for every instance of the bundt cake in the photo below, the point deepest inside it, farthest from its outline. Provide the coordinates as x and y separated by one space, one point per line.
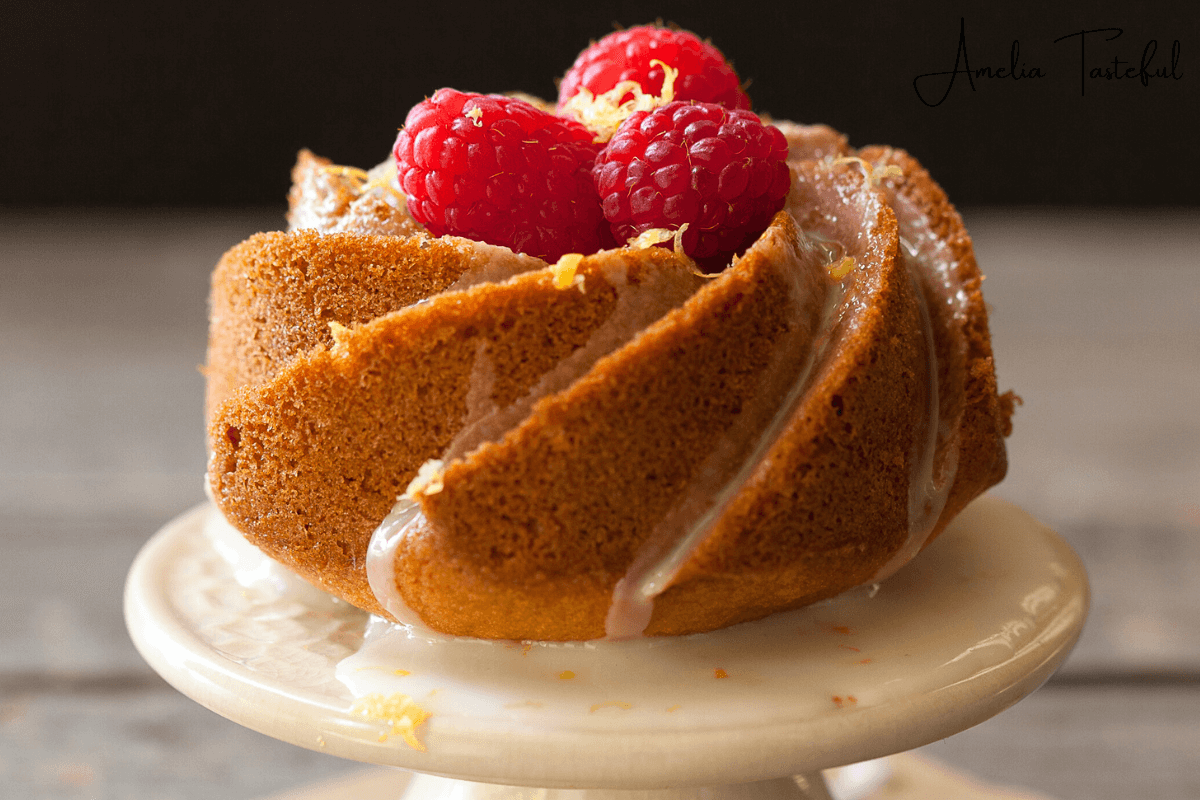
456 435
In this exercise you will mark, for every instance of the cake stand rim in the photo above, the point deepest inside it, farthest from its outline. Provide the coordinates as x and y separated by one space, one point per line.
229 688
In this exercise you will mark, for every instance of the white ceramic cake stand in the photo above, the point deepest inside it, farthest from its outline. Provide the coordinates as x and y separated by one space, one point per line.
973 625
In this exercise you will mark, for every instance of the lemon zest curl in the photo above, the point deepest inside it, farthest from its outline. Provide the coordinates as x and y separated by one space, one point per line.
603 113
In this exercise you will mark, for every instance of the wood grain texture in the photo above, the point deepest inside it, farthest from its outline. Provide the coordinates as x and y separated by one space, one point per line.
102 326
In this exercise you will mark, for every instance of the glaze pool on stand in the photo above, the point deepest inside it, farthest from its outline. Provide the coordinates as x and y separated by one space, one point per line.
976 623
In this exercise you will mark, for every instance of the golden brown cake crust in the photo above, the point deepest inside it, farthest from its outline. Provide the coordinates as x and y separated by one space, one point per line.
532 530
275 295
308 463
825 510
828 504
842 465
982 417
563 503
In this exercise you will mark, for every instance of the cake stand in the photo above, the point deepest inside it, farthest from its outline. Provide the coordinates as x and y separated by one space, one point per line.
976 623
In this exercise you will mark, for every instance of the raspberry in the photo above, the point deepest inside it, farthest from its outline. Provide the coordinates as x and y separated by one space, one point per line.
704 75
720 170
497 170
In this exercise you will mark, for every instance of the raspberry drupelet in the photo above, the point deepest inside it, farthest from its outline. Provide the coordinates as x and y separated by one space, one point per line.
498 170
721 171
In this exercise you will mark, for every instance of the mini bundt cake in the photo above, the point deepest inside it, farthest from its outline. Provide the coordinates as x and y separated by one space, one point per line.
456 435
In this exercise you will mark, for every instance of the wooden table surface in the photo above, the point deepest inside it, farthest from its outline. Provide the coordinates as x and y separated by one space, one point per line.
102 325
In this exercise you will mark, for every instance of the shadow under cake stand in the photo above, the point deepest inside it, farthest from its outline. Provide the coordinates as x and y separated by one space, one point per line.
977 622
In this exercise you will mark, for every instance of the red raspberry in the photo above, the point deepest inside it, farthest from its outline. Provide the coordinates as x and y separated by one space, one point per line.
497 170
704 74
722 171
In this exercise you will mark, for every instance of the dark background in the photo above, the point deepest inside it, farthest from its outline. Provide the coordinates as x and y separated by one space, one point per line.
165 104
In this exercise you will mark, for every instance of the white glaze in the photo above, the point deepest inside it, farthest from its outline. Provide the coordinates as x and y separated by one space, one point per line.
252 568
931 265
489 263
927 492
787 378
933 254
405 517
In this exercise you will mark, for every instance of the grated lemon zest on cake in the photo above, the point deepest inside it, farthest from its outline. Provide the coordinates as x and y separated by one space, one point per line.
874 175
400 710
651 237
678 245
340 334
890 171
361 181
428 480
603 113
356 176
385 183
862 162
842 268
564 271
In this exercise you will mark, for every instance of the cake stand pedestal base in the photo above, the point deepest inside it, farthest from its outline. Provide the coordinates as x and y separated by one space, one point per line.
431 787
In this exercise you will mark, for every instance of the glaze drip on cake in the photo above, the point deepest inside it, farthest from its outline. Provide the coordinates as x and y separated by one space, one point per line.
403 520
815 299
